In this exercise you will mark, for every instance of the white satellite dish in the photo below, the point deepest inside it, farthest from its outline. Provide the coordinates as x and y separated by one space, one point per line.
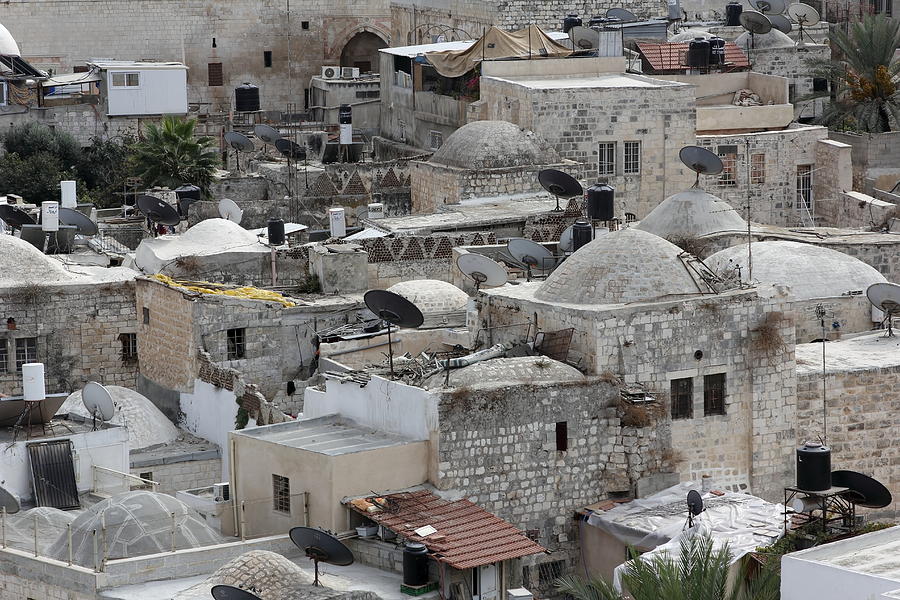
98 402
885 297
567 240
9 502
228 209
531 254
482 270
584 38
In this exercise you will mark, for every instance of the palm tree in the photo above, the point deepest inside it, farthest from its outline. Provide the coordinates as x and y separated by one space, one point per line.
865 77
170 155
699 572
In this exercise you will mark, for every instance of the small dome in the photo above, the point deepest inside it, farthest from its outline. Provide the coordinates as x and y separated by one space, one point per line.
691 213
493 145
137 523
520 369
688 35
8 45
762 41
629 265
147 425
810 271
432 296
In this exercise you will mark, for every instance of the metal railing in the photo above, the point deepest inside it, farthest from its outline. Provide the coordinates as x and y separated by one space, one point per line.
120 482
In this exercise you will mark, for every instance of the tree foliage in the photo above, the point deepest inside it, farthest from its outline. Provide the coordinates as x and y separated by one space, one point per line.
170 155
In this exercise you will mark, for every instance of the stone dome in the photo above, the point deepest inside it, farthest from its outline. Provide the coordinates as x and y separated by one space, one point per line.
432 296
809 271
691 213
629 265
8 45
517 370
687 35
147 425
137 523
493 145
763 41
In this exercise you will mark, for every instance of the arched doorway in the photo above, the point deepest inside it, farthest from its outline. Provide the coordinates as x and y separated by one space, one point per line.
362 51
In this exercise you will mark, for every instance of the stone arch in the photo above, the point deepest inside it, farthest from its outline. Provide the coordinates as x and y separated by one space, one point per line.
361 50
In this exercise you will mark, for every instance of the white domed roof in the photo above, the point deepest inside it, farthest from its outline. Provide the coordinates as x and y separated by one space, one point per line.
629 265
762 41
520 369
137 523
432 296
810 271
687 35
21 262
691 213
206 238
8 45
147 425
493 145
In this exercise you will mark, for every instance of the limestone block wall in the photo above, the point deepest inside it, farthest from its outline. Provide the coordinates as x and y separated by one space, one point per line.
166 335
791 63
875 159
185 475
83 121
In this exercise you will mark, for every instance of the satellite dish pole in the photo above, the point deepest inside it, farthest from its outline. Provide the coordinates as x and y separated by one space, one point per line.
821 314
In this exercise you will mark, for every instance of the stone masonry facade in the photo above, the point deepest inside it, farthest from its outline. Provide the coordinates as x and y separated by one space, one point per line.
182 475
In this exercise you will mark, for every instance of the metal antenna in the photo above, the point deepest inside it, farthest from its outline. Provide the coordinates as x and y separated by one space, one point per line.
821 314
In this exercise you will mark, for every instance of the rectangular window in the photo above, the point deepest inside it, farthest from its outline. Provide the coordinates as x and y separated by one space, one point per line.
148 475
145 313
368 94
125 80
820 84
214 75
304 24
714 394
129 346
804 187
267 58
281 494
728 154
606 159
26 352
682 398
757 168
236 345
562 436
3 94
437 140
4 356
632 163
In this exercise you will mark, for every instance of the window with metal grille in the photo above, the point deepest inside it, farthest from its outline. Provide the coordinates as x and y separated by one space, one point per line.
757 168
368 94
236 343
4 356
129 346
214 75
562 436
728 154
714 394
281 494
549 572
437 140
682 398
632 164
26 352
804 187
606 158
267 58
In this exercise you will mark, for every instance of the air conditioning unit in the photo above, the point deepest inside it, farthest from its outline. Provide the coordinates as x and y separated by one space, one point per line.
331 72
221 492
349 73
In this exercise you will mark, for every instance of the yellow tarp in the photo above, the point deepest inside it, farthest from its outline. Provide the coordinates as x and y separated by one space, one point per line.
497 44
248 293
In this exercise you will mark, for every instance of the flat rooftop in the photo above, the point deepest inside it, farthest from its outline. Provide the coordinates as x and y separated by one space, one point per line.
868 351
605 80
329 435
876 553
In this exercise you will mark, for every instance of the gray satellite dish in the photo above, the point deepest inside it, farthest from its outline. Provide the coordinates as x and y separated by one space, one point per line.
567 239
622 15
229 210
98 402
268 134
482 270
584 38
781 23
756 23
9 502
83 225
531 254
396 310
320 546
768 7
229 592
803 15
885 297
701 161
240 143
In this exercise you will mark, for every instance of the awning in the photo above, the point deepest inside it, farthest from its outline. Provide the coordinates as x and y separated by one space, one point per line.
71 79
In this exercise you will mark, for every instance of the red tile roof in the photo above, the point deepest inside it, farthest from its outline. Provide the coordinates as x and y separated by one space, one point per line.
467 535
664 57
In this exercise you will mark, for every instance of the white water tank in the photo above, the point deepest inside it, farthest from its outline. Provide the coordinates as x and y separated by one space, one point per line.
33 381
50 216
67 195
376 210
337 223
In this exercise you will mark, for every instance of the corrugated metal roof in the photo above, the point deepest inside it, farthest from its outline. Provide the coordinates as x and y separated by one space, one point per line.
467 536
672 56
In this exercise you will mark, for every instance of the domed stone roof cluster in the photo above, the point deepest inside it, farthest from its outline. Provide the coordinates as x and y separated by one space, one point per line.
762 41
493 145
432 296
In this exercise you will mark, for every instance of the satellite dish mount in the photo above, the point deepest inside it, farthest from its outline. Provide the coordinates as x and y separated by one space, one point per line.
321 546
561 185
701 161
393 309
694 505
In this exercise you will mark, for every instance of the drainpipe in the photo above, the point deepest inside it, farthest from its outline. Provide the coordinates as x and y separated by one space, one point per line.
232 475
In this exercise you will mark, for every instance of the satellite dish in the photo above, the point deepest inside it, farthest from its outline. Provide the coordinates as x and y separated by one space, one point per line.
694 502
14 216
781 23
396 310
240 143
268 134
320 546
531 254
9 502
229 592
584 38
561 185
83 225
701 161
482 270
885 297
864 491
567 239
290 149
157 210
768 7
621 14
98 402
228 209
803 14
756 23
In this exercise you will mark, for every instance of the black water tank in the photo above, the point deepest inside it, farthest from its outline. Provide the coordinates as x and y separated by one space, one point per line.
733 12
415 564
246 98
813 467
698 53
571 21
582 232
601 202
276 231
716 51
